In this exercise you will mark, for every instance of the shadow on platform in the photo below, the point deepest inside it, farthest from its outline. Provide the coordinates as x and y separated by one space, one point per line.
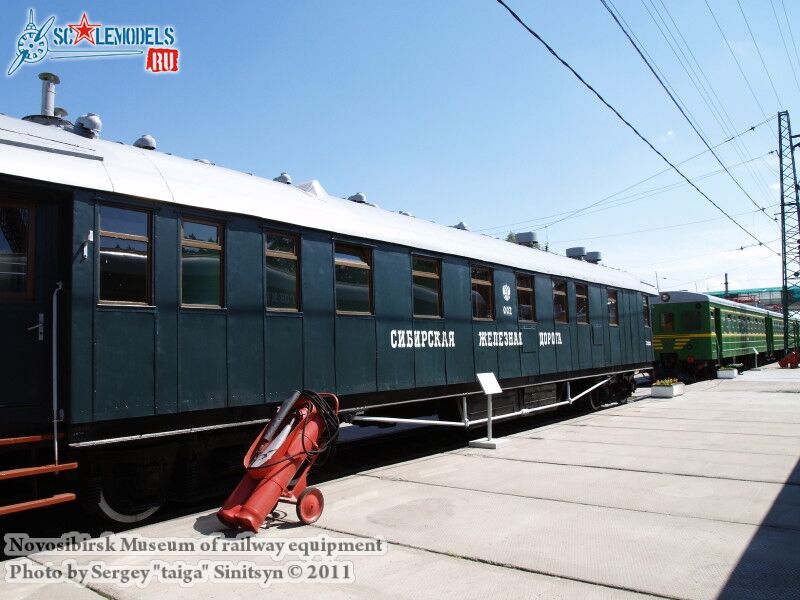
769 568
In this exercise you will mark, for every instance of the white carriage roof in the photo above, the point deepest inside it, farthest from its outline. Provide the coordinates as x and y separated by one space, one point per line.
683 296
51 154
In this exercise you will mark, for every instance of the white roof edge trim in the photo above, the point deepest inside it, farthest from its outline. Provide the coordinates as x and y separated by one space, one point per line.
182 181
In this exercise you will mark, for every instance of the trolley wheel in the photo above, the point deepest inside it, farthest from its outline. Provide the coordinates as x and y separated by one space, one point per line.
310 504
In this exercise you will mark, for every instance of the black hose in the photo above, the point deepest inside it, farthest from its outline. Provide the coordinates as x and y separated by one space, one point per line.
328 435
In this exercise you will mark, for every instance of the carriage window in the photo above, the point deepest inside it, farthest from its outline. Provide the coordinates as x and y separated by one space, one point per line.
581 303
613 308
482 293
560 309
427 285
353 279
283 280
691 320
124 255
16 251
667 322
201 263
646 309
525 304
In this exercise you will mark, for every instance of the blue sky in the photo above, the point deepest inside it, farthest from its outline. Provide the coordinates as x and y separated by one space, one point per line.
451 111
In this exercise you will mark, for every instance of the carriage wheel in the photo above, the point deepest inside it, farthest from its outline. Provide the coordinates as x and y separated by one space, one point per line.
594 401
309 505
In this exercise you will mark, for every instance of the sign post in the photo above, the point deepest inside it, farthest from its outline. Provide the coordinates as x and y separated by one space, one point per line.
490 387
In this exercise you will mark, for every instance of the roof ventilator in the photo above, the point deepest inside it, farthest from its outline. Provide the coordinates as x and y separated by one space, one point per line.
527 239
88 125
283 178
578 252
146 142
594 257
359 198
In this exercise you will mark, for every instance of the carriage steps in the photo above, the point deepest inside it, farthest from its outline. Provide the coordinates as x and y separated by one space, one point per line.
30 442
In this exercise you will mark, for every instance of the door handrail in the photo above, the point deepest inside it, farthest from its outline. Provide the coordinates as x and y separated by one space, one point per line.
54 349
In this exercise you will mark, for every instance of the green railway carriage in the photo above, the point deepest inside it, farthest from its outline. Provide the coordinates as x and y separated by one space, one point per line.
155 310
694 333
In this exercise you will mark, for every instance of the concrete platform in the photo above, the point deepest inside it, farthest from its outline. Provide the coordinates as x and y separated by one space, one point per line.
690 497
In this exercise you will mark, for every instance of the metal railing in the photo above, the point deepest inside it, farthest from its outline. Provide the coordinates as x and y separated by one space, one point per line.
490 418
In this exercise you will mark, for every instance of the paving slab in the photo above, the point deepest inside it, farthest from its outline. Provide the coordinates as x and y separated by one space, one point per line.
403 572
43 590
677 461
671 439
652 553
790 431
701 497
699 413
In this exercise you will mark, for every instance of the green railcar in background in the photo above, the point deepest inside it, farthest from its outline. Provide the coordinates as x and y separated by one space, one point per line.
694 334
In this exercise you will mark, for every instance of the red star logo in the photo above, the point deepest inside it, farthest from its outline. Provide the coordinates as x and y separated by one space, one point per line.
84 30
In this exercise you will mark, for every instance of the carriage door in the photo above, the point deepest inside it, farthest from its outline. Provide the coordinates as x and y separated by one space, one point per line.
27 281
717 341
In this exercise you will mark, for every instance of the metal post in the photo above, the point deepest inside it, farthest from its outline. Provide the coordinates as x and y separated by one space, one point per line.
790 223
488 417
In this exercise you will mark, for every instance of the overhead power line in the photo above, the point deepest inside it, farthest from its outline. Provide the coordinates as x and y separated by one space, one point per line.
720 114
678 106
763 64
785 47
623 119
736 60
791 33
695 255
652 229
613 201
686 64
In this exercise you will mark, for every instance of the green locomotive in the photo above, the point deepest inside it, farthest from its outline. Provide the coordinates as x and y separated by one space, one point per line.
693 334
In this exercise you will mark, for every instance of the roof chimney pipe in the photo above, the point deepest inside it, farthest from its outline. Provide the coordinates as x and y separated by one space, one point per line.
49 82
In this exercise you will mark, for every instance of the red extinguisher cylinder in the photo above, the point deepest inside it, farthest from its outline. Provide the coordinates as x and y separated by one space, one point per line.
227 514
261 487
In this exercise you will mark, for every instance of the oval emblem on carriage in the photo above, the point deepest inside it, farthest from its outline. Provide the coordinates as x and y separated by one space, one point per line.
506 292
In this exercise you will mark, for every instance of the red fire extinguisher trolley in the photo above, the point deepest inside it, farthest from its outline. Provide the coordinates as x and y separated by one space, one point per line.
279 459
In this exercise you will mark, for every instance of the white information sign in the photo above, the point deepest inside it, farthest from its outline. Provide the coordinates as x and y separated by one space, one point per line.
489 383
